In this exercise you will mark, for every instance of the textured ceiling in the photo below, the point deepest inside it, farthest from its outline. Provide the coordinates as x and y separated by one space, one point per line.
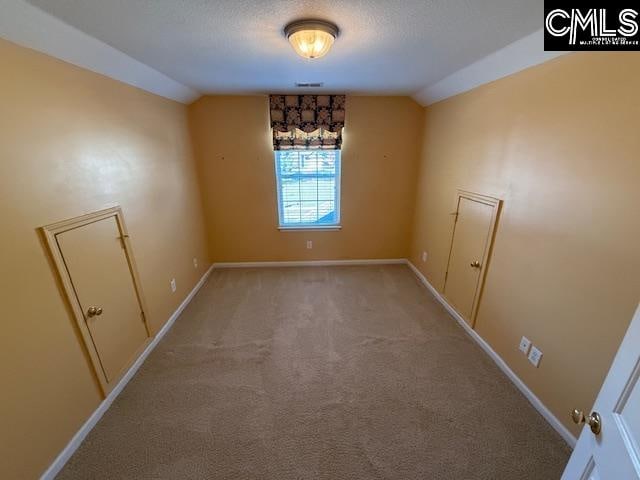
237 46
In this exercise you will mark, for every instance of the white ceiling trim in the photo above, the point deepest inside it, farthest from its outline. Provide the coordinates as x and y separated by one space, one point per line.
521 54
30 27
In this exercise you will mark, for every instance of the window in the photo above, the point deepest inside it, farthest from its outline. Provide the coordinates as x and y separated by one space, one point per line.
308 188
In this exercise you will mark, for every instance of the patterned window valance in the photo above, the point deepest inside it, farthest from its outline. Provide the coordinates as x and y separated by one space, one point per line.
307 121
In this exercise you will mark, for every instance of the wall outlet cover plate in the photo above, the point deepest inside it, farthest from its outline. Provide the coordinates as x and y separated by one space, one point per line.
534 356
524 346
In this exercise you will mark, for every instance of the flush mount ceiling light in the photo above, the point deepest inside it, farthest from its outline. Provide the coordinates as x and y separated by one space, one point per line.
311 38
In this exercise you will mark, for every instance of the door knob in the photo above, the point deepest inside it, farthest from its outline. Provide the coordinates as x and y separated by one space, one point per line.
594 420
475 264
93 311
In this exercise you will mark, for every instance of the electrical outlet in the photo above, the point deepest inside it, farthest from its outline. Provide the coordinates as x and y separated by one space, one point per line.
309 244
534 356
424 256
173 285
525 344
195 262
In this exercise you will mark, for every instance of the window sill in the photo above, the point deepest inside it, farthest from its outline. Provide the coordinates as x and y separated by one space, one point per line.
328 228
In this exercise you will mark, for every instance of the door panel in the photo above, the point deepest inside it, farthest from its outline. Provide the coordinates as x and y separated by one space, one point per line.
627 415
590 472
100 273
614 453
470 239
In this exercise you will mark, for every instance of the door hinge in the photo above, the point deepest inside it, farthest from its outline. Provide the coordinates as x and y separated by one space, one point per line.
122 237
144 318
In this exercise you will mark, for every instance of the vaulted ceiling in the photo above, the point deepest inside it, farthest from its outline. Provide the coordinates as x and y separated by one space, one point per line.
237 46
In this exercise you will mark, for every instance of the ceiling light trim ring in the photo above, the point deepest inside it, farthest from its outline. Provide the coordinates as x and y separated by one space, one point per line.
322 25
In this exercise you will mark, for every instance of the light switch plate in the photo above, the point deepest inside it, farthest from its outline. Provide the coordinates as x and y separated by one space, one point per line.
173 285
534 356
424 256
524 346
309 244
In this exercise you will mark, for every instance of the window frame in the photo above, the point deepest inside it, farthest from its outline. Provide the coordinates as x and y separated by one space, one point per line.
309 226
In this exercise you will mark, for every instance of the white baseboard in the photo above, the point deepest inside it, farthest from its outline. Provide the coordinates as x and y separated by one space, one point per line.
80 435
311 263
533 399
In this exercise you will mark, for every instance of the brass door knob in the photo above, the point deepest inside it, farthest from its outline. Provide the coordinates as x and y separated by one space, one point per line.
93 311
475 264
594 420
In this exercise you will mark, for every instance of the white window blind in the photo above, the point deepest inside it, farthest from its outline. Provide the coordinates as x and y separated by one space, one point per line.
308 184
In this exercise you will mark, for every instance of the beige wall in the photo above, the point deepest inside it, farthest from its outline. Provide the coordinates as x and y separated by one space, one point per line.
73 142
559 143
233 148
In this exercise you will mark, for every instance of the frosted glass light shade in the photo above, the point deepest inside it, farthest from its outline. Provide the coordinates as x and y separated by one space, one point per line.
311 39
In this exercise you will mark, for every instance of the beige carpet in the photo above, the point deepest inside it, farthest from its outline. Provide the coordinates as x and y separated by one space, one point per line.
318 373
